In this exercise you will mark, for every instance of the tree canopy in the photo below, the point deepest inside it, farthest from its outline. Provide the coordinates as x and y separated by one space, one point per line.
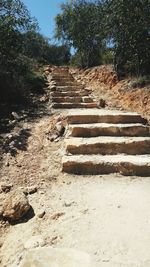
99 31
128 25
21 48
80 25
89 26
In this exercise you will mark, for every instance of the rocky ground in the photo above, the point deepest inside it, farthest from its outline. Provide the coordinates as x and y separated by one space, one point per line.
106 216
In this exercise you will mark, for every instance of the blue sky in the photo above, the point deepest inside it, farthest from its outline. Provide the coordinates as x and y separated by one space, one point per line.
45 12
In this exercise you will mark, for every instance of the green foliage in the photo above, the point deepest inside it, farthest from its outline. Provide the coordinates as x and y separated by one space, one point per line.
89 25
76 60
80 25
140 82
128 24
14 20
58 55
35 45
38 47
108 56
21 49
36 81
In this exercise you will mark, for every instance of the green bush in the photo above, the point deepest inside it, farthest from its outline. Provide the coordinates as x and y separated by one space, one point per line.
141 82
12 79
108 57
22 48
36 82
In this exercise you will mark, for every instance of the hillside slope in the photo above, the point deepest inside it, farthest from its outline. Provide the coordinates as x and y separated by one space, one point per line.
126 94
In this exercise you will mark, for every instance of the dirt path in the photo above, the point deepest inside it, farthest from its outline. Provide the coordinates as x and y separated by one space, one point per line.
106 216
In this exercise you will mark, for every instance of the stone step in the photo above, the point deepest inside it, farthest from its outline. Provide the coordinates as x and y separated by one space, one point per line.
70 93
66 88
63 75
103 116
105 145
124 164
73 105
64 80
60 75
108 129
66 83
72 99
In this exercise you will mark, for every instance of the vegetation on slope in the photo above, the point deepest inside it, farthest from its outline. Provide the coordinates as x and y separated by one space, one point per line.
100 32
22 50
108 29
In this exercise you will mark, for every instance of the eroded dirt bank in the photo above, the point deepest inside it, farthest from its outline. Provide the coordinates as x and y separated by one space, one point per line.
124 94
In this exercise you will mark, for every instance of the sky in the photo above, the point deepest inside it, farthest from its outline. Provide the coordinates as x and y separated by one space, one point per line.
44 11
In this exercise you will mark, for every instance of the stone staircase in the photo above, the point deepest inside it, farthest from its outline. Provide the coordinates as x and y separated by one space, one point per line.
100 141
68 93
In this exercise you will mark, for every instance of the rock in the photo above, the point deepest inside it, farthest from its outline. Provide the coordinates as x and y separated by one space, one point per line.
1 211
50 257
5 187
54 240
19 165
34 242
44 98
12 123
1 244
102 103
7 164
53 137
30 190
12 144
41 214
56 215
9 136
60 129
15 206
69 204
15 115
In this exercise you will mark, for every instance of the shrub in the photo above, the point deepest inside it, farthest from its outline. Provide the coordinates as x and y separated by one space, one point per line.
141 82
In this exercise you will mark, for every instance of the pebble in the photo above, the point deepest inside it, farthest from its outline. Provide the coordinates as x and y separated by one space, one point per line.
34 242
41 214
30 190
67 204
55 216
5 187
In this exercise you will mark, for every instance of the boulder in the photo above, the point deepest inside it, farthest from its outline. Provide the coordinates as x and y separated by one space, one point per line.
15 206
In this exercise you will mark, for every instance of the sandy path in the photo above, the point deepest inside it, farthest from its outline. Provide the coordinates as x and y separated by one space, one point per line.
105 216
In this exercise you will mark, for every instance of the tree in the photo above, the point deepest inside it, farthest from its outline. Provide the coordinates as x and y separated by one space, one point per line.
58 54
80 25
38 47
14 21
35 46
128 26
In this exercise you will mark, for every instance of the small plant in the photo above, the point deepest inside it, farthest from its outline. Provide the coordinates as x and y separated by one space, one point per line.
36 82
140 82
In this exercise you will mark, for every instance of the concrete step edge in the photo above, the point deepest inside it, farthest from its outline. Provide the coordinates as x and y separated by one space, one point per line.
96 165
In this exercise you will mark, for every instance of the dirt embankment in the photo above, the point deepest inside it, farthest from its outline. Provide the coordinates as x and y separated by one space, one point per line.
118 94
